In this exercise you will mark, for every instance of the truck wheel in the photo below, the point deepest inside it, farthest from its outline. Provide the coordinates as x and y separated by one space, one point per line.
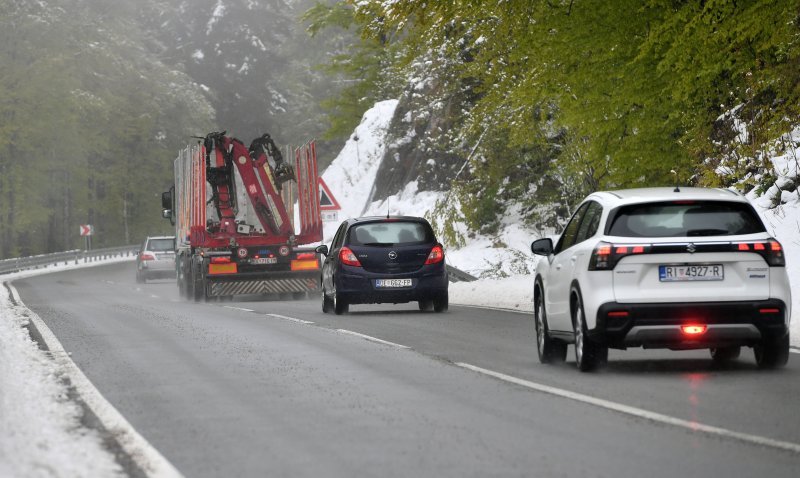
198 284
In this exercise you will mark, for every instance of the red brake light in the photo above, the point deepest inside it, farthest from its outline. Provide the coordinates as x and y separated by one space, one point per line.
221 260
770 311
744 247
693 329
302 256
775 246
146 256
436 255
348 258
771 250
758 246
618 313
605 256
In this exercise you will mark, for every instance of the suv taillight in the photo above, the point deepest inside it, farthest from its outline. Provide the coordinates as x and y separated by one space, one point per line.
771 250
436 255
347 257
606 255
147 256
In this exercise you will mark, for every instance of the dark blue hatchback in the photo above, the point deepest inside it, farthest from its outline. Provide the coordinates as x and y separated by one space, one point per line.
384 260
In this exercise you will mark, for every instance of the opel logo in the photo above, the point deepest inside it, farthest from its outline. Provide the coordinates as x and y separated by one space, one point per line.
691 248
392 255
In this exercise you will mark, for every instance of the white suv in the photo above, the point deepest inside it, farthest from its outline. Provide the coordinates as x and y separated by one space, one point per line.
686 268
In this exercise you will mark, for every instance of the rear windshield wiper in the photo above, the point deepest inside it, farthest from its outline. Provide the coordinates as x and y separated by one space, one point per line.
707 232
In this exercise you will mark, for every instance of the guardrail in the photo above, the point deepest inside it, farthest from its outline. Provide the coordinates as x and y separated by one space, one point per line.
457 275
76 256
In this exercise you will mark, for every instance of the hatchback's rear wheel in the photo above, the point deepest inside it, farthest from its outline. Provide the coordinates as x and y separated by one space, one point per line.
550 350
426 305
772 352
725 354
340 305
441 302
588 353
327 303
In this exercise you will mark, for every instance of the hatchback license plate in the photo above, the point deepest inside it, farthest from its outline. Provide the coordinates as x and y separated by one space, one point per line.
264 260
691 272
392 283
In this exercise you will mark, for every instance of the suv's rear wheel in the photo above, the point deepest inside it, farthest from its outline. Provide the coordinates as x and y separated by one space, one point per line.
550 350
725 354
772 352
588 353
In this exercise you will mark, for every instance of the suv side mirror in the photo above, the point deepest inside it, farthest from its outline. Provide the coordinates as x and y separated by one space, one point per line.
323 249
542 247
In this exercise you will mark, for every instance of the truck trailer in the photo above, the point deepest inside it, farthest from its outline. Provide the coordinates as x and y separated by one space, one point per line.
233 211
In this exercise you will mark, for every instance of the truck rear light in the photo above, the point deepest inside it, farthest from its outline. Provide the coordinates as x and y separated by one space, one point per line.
693 329
304 256
771 250
305 265
146 256
216 268
605 256
436 255
221 260
348 258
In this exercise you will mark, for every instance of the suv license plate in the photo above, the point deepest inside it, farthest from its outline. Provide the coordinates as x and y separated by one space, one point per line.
391 283
264 260
692 272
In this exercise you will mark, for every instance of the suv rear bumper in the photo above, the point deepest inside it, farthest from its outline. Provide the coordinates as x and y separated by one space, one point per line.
658 325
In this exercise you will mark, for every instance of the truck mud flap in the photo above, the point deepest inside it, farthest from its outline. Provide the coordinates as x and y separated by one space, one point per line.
271 286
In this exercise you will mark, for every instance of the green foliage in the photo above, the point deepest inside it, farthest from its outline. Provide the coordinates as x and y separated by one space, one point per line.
89 123
575 96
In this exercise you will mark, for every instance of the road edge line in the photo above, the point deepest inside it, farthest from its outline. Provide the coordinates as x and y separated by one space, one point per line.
140 451
284 317
638 412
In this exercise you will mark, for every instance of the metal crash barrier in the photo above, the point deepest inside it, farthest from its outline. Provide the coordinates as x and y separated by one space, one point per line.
76 256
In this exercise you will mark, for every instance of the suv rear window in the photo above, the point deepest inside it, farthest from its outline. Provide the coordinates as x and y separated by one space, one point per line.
390 233
161 245
684 219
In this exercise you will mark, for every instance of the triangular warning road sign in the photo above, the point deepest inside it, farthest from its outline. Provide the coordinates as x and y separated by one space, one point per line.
326 200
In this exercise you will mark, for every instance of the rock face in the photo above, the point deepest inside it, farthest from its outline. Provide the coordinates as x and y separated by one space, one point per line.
423 143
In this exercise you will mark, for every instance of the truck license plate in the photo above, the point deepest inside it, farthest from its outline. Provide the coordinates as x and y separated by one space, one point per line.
392 283
265 260
691 272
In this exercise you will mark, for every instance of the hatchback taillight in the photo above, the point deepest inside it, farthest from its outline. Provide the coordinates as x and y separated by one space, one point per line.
605 255
771 250
436 255
347 257
147 256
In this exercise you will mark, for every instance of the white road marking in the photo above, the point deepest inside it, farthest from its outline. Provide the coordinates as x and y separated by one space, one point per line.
300 321
638 412
153 296
238 308
138 449
372 339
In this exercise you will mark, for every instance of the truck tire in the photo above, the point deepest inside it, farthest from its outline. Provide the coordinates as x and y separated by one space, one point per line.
198 282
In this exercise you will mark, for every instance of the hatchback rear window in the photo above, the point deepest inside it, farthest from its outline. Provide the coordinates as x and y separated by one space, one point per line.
684 219
161 245
390 233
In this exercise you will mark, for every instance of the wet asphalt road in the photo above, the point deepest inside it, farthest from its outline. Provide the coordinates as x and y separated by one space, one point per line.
224 389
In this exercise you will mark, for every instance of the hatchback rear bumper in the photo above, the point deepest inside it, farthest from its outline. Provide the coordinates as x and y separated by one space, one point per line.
658 325
356 285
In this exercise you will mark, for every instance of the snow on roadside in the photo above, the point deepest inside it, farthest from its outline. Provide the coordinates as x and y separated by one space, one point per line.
42 434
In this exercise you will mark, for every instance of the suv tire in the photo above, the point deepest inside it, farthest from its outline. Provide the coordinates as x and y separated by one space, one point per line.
549 349
589 355
772 353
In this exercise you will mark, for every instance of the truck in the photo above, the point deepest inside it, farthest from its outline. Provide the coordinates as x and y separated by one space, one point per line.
233 211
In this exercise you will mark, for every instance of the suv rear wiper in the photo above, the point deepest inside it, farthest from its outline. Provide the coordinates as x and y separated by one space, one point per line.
707 232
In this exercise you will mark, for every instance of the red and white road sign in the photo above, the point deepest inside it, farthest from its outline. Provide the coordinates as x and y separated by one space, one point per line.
86 230
326 200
